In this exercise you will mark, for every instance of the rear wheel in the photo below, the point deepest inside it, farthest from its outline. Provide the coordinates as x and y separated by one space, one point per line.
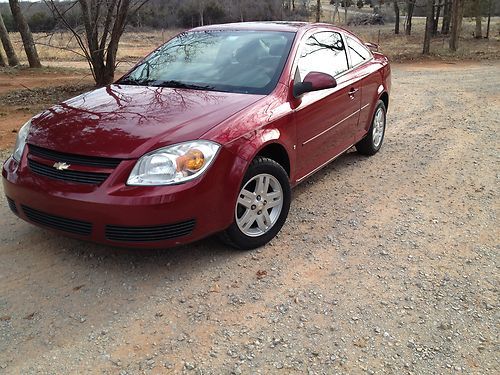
262 205
372 142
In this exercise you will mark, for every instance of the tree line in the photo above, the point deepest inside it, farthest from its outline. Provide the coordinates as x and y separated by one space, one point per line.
453 13
97 25
165 14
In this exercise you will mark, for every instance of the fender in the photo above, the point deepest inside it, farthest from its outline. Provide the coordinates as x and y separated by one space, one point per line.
252 144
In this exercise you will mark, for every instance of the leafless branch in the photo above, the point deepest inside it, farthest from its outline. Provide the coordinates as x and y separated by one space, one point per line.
61 48
52 6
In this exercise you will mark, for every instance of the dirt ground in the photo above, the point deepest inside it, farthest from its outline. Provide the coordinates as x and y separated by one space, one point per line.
386 264
25 92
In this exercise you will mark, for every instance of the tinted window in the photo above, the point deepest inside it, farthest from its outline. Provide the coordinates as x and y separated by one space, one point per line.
357 52
231 61
323 52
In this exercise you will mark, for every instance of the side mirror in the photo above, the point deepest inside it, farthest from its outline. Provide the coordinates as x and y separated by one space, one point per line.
314 81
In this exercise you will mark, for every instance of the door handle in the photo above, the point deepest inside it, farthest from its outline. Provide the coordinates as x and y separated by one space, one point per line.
353 91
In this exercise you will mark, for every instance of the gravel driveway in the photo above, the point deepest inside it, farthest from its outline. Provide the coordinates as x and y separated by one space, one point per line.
387 265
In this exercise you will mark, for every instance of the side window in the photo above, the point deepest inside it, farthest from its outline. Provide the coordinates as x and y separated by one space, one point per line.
323 52
357 51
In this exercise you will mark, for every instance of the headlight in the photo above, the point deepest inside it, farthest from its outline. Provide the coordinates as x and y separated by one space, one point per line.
174 164
21 141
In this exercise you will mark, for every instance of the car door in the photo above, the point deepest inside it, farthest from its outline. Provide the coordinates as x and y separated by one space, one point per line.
325 120
363 70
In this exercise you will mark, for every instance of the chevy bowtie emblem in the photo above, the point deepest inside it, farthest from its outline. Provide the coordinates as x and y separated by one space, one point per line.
61 166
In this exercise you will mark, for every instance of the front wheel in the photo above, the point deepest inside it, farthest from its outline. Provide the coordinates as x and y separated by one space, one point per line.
372 142
261 207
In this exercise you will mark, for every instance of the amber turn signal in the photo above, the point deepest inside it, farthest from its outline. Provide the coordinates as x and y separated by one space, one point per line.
191 161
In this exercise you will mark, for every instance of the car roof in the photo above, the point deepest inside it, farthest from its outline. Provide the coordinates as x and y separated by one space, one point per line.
290 26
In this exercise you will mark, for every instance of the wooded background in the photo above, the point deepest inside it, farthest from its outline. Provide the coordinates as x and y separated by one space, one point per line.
97 25
164 14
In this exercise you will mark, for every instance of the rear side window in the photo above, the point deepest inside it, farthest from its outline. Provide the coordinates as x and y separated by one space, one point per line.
323 52
357 51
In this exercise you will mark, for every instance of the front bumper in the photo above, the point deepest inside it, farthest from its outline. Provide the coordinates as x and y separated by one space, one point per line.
120 215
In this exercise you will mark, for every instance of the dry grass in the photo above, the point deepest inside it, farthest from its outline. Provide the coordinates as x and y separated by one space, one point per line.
407 48
61 47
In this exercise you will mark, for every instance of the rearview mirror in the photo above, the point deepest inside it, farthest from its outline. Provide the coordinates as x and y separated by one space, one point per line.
314 81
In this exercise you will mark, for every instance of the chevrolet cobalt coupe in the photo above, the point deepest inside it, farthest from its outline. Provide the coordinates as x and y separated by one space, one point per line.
206 135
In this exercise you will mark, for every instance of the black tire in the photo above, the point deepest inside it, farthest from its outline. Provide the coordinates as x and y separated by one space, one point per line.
368 146
233 235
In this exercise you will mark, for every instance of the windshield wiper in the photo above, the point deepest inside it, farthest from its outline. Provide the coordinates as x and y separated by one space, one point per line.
135 81
182 85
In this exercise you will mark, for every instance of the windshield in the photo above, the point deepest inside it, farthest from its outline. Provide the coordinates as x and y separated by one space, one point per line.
231 61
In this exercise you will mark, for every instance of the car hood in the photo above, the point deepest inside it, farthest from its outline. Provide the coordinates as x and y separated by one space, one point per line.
123 121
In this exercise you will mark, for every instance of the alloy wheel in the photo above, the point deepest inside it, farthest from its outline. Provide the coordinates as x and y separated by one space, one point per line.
259 205
378 127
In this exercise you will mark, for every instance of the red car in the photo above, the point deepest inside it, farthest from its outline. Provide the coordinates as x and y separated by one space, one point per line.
206 135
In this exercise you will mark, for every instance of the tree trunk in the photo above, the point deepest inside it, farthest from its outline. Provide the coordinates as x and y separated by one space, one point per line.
396 13
26 36
429 24
457 12
201 12
318 10
7 45
410 7
436 20
116 34
479 30
3 62
445 27
239 9
336 12
202 20
345 11
489 19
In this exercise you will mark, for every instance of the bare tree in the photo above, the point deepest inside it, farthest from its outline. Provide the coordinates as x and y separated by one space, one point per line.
26 36
490 3
457 12
318 10
477 10
436 18
347 4
104 22
7 44
336 11
445 27
429 24
3 62
396 14
200 5
410 6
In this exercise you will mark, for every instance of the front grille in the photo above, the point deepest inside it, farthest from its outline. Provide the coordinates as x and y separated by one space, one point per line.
82 228
149 234
12 205
89 161
67 175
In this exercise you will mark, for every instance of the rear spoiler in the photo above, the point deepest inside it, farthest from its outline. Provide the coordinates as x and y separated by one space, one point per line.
372 46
